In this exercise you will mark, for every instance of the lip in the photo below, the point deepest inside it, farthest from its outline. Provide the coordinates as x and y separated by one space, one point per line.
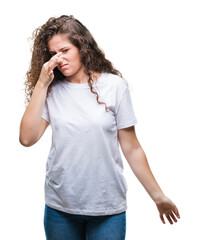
63 66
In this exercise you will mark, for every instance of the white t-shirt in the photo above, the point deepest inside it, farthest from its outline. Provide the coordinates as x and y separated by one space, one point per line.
84 167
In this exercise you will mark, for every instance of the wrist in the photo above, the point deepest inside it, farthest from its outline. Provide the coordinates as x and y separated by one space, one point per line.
158 197
42 85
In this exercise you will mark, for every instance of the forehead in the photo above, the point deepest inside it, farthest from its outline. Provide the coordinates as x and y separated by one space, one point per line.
57 42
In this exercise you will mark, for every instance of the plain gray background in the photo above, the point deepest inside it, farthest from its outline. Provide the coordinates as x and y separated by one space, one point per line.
155 44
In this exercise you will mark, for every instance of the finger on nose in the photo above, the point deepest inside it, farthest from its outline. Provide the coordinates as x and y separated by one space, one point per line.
56 57
58 54
60 59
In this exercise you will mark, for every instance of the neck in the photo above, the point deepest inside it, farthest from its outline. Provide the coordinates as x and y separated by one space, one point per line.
81 77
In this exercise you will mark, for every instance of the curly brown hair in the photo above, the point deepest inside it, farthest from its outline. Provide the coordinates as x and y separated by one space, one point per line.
91 55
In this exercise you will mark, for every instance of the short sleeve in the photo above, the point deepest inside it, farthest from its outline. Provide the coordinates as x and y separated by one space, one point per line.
45 113
125 116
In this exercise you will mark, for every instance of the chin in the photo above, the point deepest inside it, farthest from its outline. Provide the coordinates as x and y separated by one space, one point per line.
66 73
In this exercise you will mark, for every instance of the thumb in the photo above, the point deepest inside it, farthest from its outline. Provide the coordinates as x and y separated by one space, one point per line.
51 75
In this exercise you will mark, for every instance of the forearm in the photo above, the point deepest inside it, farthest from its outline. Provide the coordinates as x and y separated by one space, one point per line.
31 120
139 165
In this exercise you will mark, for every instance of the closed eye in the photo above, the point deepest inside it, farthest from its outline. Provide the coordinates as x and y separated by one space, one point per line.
65 50
52 53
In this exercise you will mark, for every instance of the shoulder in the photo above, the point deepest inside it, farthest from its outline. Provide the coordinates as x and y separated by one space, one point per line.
114 81
112 87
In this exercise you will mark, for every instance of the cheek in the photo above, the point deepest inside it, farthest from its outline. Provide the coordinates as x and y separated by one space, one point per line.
77 60
76 55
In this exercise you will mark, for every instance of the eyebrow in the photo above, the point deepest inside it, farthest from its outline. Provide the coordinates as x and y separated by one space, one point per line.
59 49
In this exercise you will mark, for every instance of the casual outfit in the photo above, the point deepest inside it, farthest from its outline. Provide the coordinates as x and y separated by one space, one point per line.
84 166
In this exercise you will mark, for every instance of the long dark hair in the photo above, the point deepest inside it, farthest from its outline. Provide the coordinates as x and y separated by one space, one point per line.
91 55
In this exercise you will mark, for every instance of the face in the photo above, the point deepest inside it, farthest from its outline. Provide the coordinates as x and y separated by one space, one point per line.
70 65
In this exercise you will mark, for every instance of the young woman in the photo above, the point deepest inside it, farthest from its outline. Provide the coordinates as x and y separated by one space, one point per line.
75 89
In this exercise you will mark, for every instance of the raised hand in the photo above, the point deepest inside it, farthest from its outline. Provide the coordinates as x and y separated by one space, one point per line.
47 75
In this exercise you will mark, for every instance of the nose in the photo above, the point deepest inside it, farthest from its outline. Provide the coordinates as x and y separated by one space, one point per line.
60 61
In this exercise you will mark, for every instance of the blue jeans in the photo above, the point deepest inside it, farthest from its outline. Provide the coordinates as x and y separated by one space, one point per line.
60 225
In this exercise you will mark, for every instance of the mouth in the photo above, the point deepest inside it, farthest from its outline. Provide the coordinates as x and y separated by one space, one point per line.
63 66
